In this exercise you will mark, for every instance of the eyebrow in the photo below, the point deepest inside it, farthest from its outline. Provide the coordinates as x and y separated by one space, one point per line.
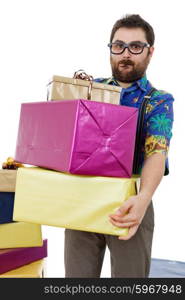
119 41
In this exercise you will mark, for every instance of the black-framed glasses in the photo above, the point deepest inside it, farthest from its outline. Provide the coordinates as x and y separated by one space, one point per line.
119 47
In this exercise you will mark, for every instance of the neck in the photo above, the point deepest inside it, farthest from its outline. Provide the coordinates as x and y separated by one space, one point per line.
124 84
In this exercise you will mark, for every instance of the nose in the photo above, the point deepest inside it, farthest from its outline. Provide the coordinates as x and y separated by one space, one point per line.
126 53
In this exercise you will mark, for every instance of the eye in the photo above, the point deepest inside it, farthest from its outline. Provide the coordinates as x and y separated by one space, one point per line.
117 46
136 46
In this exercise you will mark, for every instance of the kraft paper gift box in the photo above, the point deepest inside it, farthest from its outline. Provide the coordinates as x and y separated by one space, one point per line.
7 189
20 234
78 136
11 259
71 201
35 269
64 88
7 180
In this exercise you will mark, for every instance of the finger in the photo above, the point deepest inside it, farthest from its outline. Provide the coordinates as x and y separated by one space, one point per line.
130 218
122 210
121 224
126 219
132 231
116 218
117 224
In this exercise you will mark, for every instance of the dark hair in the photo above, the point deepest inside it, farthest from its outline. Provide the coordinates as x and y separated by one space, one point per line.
134 21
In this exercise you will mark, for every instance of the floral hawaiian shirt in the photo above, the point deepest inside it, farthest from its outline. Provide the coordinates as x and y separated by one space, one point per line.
158 118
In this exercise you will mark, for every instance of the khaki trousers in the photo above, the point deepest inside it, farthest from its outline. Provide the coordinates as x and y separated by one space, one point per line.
84 252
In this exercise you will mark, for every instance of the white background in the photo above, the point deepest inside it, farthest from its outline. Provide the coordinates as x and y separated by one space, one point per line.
42 38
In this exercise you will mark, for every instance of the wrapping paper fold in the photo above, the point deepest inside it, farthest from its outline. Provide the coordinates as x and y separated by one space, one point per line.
64 88
16 257
35 269
78 136
71 201
20 234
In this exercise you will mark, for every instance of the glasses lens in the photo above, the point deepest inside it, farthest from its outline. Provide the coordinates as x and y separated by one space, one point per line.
136 48
117 48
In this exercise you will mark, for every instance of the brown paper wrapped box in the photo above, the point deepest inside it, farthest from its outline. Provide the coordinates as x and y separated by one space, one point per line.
64 88
7 180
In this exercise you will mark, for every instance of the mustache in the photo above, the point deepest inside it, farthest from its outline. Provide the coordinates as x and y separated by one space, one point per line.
126 62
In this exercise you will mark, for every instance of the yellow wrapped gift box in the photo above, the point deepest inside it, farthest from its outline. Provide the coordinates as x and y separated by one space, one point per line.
20 234
33 270
71 201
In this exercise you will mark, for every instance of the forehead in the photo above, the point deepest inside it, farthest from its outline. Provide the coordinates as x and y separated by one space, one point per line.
128 35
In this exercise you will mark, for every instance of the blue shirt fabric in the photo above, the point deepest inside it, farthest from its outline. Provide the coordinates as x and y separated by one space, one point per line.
158 119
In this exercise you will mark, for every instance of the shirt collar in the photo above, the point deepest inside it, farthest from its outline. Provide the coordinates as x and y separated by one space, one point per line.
141 83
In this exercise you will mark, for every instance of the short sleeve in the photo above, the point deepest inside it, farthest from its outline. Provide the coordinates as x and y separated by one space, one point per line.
159 122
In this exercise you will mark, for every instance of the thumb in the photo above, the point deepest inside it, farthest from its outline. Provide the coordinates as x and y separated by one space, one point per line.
122 210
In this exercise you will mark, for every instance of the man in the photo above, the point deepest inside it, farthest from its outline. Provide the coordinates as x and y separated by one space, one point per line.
131 49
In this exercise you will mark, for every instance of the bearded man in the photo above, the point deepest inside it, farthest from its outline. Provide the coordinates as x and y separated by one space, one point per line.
131 48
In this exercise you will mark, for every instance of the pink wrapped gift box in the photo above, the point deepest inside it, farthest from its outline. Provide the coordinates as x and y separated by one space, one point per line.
16 257
78 136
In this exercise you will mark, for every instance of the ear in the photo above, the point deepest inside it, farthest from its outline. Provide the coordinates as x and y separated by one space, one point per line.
151 51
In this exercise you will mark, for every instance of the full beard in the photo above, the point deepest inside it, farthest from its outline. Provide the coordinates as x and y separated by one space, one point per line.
124 75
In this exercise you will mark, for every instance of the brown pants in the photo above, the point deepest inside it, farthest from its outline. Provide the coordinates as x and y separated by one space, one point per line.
84 252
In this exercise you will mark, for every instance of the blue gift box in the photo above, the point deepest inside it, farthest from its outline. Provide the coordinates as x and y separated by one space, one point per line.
6 207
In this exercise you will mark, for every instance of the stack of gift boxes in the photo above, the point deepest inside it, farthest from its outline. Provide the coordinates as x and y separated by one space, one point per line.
22 250
81 156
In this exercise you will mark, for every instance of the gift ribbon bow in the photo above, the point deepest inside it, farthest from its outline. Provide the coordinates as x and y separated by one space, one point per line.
80 74
11 164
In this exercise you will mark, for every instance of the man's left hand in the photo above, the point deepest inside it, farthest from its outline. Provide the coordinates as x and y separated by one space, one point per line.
130 215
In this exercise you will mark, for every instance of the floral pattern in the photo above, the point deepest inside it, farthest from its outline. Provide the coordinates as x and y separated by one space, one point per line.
155 143
162 124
